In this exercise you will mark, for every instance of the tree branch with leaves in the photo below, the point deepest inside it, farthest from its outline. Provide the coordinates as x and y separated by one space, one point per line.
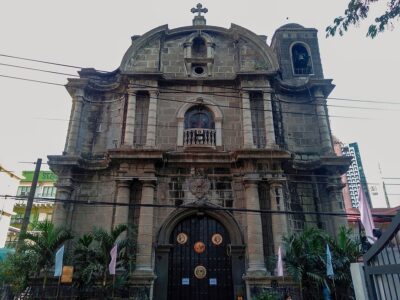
358 10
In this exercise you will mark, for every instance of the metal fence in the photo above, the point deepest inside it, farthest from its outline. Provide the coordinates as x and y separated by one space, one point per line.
382 264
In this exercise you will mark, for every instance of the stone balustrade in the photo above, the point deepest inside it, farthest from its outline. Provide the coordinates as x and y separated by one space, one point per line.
199 137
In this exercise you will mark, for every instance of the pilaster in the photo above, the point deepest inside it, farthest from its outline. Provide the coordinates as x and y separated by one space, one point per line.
269 120
130 117
144 263
255 251
323 122
123 197
279 220
77 107
61 208
246 116
152 119
335 195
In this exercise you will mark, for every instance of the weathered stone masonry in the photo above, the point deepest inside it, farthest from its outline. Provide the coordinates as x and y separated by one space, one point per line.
208 117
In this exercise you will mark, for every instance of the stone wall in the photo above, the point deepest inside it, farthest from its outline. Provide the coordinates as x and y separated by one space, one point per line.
282 41
86 217
170 103
300 124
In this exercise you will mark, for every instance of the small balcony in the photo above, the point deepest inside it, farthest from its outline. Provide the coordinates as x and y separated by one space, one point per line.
199 137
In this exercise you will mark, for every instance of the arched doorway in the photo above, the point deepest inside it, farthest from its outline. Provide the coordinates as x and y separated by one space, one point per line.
200 264
198 225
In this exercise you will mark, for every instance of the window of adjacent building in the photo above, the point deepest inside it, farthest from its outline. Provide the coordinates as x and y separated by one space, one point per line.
257 119
301 60
23 190
141 115
49 191
42 217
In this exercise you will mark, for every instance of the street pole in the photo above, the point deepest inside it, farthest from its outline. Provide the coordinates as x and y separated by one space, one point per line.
29 203
386 195
384 187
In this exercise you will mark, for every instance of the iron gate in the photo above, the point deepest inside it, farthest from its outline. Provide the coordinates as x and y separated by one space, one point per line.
200 264
382 264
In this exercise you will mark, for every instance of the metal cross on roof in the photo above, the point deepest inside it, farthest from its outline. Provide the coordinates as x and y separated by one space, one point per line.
199 9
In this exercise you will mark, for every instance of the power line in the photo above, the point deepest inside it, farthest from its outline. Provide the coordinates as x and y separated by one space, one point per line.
32 80
209 104
229 209
41 61
175 91
228 88
263 174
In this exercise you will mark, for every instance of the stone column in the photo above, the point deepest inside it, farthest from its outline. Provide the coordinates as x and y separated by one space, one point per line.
130 117
145 229
152 120
335 195
247 126
269 120
323 122
218 131
61 209
255 251
77 102
123 197
181 128
279 221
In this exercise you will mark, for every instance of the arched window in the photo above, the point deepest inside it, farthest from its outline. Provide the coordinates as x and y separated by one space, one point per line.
199 117
199 127
301 60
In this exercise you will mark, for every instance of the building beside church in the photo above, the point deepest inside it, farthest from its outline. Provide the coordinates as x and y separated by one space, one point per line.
9 181
355 175
197 125
41 210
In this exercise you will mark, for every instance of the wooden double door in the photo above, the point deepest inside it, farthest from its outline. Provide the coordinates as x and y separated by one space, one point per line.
200 265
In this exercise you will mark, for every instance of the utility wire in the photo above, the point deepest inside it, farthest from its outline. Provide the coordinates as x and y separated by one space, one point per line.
210 104
229 209
176 91
287 176
235 89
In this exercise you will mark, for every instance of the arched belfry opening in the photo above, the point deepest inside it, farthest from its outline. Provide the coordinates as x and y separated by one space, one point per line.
301 59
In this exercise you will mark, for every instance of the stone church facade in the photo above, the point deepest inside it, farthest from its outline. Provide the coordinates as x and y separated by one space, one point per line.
198 129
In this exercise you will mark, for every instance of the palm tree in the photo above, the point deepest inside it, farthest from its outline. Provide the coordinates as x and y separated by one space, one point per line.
92 253
305 260
84 260
345 250
44 244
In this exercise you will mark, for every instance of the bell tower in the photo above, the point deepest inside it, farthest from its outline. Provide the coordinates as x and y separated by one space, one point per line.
298 52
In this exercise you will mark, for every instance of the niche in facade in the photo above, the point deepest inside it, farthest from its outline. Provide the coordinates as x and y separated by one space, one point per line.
301 60
199 55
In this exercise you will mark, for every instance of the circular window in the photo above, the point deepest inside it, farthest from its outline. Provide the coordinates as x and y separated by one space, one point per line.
198 70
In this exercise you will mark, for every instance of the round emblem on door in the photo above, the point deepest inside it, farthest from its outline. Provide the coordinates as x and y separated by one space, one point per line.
199 247
200 272
216 239
182 238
